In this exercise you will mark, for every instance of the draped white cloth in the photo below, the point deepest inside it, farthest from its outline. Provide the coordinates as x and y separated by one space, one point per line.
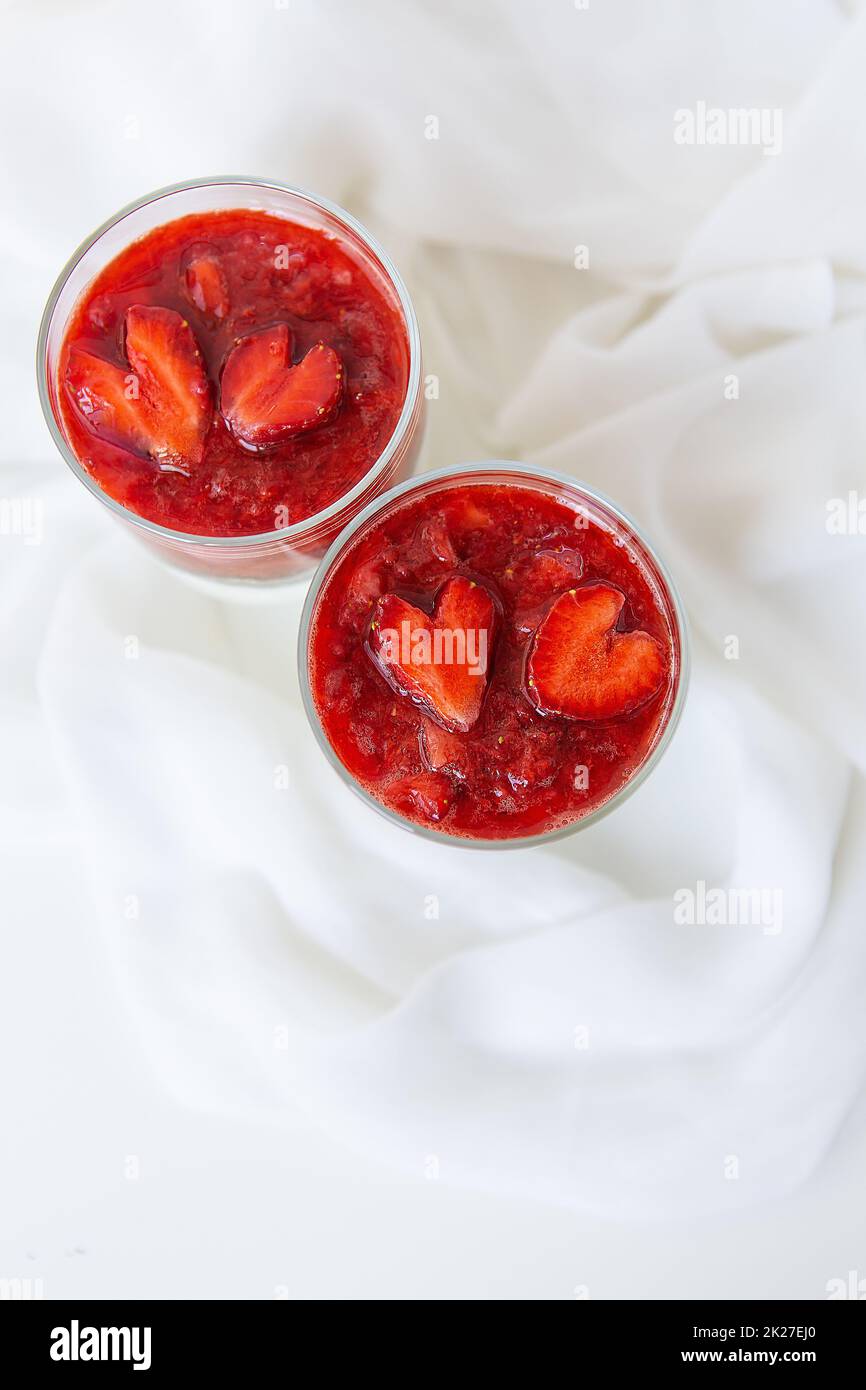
535 1021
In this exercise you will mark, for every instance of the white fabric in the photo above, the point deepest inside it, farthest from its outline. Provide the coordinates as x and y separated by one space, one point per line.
552 1031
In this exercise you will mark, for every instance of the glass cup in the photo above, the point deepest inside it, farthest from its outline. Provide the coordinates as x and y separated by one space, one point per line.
588 502
291 552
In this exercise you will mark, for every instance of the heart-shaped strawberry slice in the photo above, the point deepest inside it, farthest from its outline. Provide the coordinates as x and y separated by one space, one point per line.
160 405
439 661
265 400
581 667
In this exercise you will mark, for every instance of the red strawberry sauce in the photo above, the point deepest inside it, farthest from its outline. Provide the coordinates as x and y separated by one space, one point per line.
516 772
251 271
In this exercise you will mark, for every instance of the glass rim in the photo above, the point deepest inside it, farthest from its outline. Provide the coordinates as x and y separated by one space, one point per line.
298 529
492 467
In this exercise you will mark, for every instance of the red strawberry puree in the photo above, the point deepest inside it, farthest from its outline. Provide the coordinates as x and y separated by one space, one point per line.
583 660
232 373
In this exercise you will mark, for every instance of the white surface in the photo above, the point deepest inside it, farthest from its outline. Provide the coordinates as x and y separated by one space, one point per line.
262 910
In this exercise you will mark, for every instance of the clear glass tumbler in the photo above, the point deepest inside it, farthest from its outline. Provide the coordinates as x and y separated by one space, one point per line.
589 503
247 562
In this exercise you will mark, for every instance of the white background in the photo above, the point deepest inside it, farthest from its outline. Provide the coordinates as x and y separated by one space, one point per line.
151 1040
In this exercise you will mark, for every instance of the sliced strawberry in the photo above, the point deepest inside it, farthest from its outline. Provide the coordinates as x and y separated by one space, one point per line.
538 578
164 355
469 514
108 397
432 541
367 584
429 547
429 794
266 400
548 571
580 667
440 662
205 282
442 749
161 404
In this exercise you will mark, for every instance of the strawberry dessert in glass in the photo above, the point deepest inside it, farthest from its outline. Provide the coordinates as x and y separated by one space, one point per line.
233 367
493 655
